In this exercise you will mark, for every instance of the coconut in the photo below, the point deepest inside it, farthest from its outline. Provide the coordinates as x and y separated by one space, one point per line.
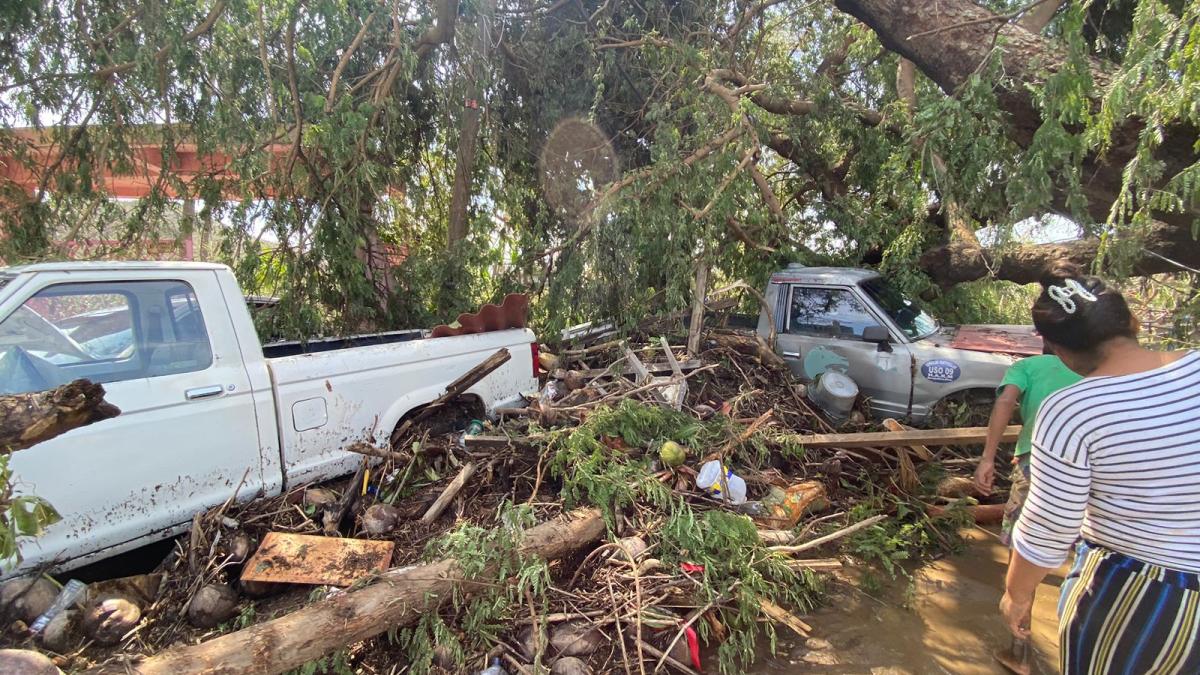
381 519
630 548
109 619
212 605
569 665
240 548
26 662
27 599
319 497
672 454
63 632
576 638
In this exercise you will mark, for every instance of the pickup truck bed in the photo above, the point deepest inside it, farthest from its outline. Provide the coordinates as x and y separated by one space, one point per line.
206 411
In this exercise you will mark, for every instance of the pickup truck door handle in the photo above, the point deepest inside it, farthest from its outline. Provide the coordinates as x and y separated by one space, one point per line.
794 355
204 392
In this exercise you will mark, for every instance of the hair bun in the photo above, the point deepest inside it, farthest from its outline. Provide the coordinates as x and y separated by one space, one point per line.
1058 272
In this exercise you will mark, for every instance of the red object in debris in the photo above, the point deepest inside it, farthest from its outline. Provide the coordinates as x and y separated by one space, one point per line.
512 313
693 641
691 568
1004 339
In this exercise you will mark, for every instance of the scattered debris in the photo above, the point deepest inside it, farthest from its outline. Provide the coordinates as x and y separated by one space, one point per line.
26 599
657 570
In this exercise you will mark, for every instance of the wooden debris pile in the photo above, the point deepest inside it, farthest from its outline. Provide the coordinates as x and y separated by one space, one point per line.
559 537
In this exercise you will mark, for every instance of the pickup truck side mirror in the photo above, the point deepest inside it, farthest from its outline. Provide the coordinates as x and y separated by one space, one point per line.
879 335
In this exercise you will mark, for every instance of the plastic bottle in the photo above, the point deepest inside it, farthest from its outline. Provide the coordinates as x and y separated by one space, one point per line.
66 597
709 480
494 669
474 428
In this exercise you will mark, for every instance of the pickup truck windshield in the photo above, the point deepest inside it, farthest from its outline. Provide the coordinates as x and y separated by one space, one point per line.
908 315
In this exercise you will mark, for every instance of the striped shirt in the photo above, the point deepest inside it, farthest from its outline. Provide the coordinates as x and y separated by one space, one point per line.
1117 459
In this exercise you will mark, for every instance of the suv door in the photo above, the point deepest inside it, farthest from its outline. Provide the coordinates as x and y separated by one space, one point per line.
824 327
186 436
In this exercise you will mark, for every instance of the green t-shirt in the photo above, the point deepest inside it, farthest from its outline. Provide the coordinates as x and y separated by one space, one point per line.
1036 377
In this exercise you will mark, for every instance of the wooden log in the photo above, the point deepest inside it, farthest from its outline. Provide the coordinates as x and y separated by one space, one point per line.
369 450
455 388
29 419
884 439
500 442
697 320
750 345
399 598
821 541
449 493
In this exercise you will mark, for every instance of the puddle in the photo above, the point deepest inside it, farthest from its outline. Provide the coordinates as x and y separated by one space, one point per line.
951 626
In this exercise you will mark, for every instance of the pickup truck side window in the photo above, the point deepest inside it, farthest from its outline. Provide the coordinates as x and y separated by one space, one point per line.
827 312
105 332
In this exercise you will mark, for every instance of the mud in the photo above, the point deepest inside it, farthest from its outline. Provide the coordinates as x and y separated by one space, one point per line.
946 623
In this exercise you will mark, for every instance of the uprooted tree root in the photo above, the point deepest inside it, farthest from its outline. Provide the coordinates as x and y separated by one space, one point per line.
675 559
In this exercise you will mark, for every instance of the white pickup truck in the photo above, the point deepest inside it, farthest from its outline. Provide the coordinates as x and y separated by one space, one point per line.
204 406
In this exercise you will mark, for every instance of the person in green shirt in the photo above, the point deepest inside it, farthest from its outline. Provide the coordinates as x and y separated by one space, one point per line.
1026 384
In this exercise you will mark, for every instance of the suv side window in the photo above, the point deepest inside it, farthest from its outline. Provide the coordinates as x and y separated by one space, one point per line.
827 312
105 332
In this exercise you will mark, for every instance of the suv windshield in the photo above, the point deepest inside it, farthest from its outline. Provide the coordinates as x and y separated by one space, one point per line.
908 315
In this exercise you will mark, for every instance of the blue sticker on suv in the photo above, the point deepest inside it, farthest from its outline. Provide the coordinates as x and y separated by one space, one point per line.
941 370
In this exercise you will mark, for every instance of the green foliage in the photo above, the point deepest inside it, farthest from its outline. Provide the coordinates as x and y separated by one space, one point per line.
23 516
337 663
510 579
738 574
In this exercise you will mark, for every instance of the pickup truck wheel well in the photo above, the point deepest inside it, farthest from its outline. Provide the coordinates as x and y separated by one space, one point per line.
965 408
454 416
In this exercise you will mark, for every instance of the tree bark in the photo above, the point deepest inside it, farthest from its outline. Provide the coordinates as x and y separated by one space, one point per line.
29 419
399 598
959 262
468 135
948 40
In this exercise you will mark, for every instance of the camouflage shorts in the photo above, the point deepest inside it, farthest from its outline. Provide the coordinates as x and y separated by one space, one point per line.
1016 498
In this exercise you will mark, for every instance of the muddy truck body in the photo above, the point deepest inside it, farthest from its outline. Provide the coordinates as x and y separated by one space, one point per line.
207 412
902 359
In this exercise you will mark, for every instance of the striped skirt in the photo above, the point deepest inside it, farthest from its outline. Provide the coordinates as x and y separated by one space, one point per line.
1120 615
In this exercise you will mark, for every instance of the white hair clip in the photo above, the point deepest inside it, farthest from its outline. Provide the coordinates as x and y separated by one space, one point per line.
1062 294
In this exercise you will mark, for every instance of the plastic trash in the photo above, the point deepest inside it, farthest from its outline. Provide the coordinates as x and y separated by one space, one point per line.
474 428
709 480
784 508
494 669
754 509
553 390
66 597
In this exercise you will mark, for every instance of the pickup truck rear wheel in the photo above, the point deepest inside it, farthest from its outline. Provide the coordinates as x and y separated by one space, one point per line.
970 408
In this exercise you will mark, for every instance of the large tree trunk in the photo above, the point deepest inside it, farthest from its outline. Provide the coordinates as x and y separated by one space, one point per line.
947 41
468 135
399 598
29 419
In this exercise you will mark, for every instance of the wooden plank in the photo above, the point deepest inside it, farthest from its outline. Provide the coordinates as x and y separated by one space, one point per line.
643 375
883 439
921 450
652 368
449 493
679 384
303 559
499 442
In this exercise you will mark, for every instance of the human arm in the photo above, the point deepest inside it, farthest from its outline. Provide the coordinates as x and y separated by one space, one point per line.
1060 484
1002 412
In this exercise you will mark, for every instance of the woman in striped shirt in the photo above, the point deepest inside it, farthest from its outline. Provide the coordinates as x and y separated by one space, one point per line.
1116 468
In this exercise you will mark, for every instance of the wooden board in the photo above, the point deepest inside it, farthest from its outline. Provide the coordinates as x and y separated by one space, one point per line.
909 438
303 559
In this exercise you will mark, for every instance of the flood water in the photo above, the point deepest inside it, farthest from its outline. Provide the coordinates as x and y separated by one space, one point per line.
950 625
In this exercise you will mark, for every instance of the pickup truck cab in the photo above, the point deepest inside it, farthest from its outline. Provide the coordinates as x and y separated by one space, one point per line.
206 410
902 359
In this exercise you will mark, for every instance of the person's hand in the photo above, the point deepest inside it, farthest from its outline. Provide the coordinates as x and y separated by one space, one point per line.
1017 614
985 474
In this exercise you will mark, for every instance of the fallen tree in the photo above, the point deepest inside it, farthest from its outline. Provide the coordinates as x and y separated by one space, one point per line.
948 41
398 598
29 419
